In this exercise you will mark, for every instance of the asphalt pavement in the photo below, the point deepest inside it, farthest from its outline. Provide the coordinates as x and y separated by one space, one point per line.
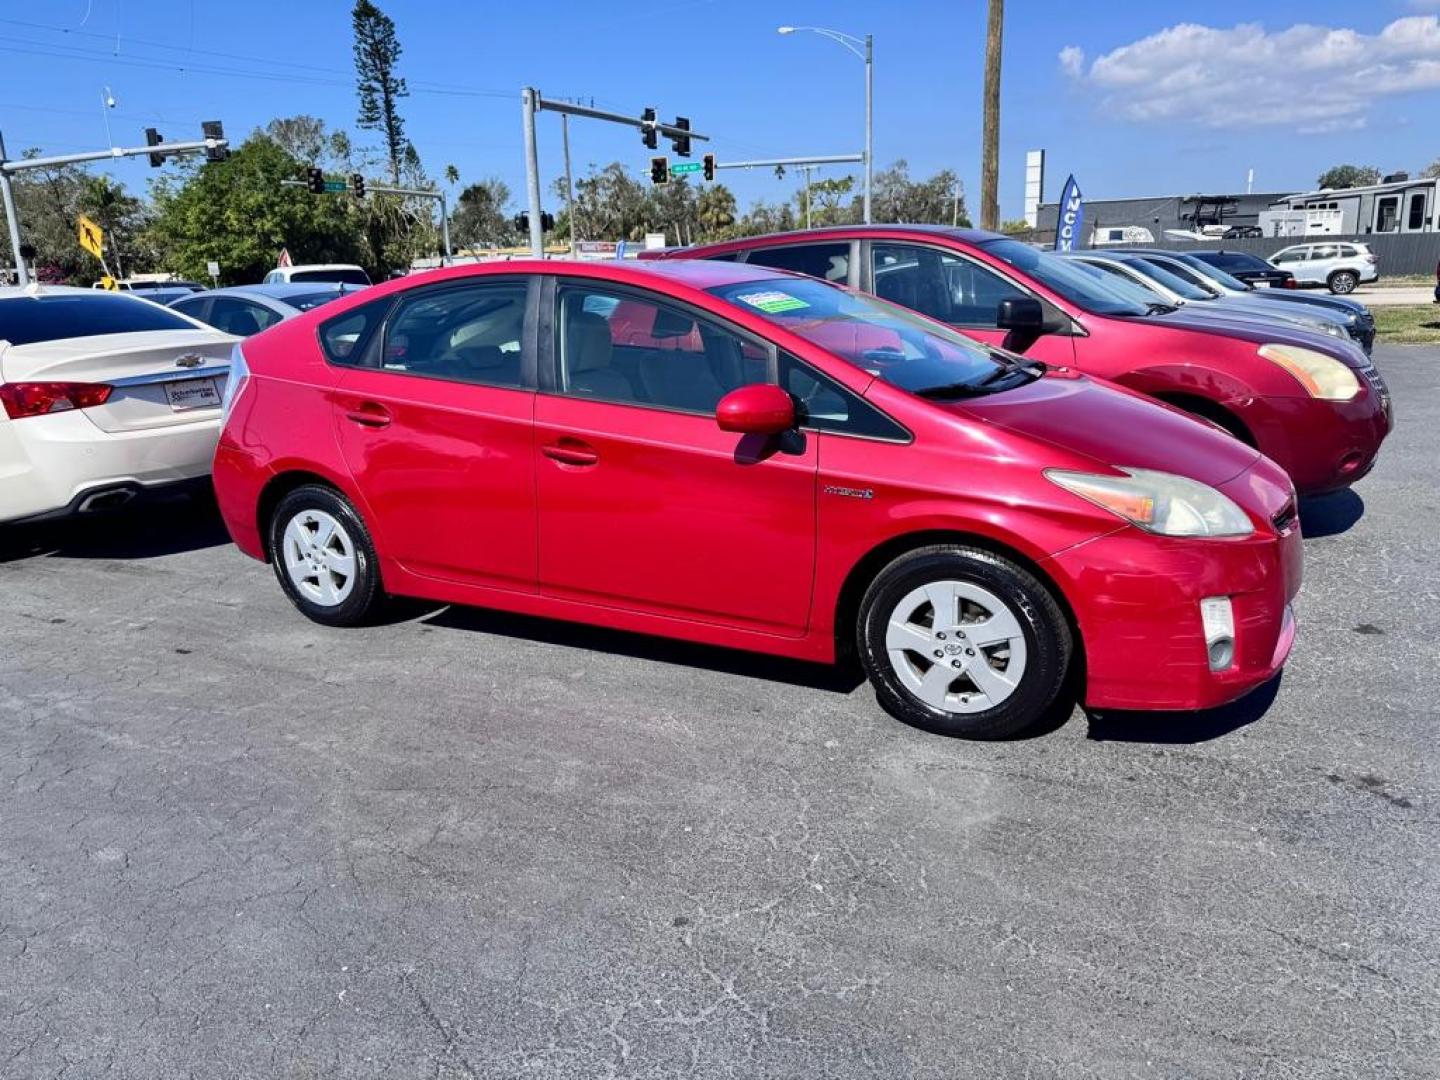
1383 295
236 844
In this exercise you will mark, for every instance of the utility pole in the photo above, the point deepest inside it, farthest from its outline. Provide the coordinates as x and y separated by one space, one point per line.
569 179
990 139
531 103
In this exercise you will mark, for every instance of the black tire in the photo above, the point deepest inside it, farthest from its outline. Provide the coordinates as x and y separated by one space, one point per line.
365 597
1044 628
1342 282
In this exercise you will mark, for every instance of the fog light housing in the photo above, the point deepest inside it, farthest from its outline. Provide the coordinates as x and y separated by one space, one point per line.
1218 617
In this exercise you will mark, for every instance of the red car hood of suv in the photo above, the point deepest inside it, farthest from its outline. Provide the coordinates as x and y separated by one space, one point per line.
1112 425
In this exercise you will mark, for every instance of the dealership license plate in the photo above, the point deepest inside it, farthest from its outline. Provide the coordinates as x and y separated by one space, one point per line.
192 394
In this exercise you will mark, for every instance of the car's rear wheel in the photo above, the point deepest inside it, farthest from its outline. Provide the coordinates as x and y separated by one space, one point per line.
324 558
1343 281
963 642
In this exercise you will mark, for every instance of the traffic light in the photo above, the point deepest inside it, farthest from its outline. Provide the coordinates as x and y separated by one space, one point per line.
214 129
547 221
659 170
681 143
647 129
709 170
315 180
521 221
357 185
154 138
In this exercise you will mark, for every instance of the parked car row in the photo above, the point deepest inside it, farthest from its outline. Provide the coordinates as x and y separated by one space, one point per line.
1001 478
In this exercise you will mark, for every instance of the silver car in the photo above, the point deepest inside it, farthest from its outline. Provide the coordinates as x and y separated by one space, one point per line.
1339 266
248 309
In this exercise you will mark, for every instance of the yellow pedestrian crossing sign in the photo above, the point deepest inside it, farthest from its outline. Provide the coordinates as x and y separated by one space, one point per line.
92 239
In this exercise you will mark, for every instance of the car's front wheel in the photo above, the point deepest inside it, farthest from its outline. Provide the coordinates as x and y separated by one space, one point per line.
963 642
1343 281
324 558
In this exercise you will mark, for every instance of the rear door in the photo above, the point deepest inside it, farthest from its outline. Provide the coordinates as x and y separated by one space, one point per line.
434 423
644 503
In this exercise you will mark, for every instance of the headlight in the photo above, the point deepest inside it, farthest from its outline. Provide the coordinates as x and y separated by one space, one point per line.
1159 502
1322 376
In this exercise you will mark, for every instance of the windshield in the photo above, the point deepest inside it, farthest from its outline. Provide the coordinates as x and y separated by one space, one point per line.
1190 290
25 320
902 348
1214 273
1081 285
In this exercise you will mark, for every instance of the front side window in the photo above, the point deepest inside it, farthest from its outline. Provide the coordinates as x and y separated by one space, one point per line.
887 341
626 348
1078 284
240 317
25 320
828 262
939 284
468 333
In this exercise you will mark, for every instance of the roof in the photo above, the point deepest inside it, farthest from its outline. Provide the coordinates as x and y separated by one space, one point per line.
283 290
1362 189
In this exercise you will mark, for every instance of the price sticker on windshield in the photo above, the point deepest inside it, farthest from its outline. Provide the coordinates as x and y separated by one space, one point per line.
772 301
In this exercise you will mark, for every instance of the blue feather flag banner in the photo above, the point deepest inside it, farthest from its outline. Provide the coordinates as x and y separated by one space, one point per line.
1072 217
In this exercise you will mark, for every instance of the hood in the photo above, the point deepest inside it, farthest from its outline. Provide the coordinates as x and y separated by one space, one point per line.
1338 304
1113 425
1304 315
1246 328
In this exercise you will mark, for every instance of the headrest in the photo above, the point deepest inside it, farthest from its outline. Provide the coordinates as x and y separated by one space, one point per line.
671 324
587 343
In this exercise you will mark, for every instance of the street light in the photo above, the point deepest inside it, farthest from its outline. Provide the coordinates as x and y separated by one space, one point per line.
855 45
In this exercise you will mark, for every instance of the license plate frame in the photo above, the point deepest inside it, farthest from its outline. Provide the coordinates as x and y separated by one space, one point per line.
187 395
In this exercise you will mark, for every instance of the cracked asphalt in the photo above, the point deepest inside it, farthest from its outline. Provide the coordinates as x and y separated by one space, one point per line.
236 844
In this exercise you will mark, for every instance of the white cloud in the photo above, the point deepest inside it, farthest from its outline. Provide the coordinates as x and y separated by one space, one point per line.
1313 79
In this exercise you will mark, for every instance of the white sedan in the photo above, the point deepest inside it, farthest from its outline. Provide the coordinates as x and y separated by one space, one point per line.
104 397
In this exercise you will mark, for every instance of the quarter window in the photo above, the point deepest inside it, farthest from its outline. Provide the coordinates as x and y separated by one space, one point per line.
344 337
825 405
622 348
470 333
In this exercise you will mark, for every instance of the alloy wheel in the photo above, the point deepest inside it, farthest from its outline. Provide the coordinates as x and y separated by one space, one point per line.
319 557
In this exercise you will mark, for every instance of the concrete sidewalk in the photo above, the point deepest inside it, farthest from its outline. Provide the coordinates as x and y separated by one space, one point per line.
1383 295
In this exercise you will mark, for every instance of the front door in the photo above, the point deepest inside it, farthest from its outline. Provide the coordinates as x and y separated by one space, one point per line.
961 292
436 428
644 503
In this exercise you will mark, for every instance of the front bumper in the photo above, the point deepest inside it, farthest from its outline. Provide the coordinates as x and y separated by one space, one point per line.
1324 445
51 465
1136 598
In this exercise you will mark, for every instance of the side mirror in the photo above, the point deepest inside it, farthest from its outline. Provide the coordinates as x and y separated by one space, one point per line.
1022 313
760 409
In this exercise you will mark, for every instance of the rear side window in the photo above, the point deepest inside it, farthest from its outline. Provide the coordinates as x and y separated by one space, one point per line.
828 262
344 338
341 276
25 320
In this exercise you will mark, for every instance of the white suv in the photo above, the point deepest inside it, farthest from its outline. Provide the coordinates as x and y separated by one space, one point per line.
340 273
1340 266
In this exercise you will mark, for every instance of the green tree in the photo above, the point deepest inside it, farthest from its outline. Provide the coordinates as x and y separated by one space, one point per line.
716 214
829 205
377 51
237 213
1348 176
612 204
933 201
481 216
49 202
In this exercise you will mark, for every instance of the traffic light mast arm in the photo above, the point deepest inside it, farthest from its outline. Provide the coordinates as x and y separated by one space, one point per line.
669 131
194 147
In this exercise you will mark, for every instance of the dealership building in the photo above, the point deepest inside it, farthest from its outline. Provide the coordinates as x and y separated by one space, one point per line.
1185 213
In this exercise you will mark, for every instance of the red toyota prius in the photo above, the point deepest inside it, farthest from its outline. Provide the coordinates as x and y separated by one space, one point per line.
732 455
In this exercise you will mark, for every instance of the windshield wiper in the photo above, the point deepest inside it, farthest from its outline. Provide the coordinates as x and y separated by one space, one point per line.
980 387
1154 308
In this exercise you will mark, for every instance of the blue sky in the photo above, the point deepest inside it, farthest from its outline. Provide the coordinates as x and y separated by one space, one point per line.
1123 95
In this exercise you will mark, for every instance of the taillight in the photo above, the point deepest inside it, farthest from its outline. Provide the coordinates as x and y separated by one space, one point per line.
239 376
1290 283
41 398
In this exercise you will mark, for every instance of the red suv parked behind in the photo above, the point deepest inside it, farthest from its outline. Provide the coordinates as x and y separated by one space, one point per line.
1316 405
759 460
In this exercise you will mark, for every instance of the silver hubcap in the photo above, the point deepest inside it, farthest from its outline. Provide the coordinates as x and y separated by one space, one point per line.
319 557
956 646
